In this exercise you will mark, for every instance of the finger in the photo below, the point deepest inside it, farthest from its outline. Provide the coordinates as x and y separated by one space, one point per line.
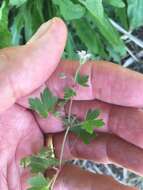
25 68
107 82
124 122
72 177
104 149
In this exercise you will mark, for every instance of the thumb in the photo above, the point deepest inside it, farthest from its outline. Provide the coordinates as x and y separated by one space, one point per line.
23 69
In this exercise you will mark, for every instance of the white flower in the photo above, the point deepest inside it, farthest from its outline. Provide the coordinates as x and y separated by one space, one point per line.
83 56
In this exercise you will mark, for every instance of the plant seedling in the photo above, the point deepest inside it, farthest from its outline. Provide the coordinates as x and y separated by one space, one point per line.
48 103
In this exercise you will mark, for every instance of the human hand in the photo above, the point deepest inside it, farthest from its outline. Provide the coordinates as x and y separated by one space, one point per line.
24 72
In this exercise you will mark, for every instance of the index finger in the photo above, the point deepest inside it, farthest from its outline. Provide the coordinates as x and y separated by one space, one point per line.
108 82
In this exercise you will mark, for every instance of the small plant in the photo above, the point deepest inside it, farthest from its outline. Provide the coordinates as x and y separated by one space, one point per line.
84 129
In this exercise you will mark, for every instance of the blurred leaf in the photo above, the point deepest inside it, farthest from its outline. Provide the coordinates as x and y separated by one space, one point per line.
92 114
69 10
82 80
69 93
29 18
39 182
83 134
114 55
25 162
103 24
39 164
121 15
94 6
87 35
16 28
135 13
91 122
17 2
115 3
70 47
5 35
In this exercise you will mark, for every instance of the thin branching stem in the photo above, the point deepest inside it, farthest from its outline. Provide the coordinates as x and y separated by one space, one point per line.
52 183
77 72
69 117
66 133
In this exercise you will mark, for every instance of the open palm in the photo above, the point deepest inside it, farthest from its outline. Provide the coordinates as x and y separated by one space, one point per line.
25 71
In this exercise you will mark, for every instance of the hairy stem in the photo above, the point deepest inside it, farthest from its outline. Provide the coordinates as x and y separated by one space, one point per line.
54 179
77 71
66 133
69 118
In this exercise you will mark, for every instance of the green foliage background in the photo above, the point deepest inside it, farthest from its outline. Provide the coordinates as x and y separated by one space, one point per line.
88 22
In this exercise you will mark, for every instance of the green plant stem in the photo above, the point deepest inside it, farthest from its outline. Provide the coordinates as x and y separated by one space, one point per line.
77 72
63 146
67 131
69 116
54 179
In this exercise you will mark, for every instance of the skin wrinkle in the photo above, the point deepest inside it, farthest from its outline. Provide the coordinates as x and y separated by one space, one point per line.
13 168
100 90
3 176
93 181
76 147
33 116
14 94
107 150
37 122
72 146
130 160
29 134
5 59
9 163
111 129
19 137
11 66
21 142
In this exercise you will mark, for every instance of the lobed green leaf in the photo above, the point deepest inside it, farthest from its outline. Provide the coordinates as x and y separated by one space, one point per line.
83 134
45 104
82 80
69 93
38 182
